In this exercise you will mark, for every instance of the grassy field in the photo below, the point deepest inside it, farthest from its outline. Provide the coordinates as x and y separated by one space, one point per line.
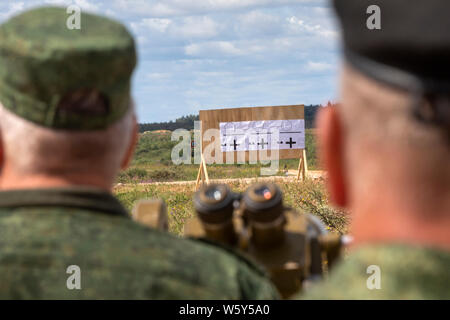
152 162
308 196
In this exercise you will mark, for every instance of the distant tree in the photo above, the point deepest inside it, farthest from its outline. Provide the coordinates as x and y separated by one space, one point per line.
310 115
187 122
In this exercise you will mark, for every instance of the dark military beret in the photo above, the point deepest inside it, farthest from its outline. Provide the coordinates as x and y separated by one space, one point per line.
44 65
402 43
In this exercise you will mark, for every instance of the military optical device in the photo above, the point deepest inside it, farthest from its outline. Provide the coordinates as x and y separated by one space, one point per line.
294 248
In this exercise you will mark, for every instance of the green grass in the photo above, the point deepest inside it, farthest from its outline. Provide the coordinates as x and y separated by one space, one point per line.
308 196
152 162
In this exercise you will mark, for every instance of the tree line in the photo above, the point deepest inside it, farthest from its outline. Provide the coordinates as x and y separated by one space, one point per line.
187 122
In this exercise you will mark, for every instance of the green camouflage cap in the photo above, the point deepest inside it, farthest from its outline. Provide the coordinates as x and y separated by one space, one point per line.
43 63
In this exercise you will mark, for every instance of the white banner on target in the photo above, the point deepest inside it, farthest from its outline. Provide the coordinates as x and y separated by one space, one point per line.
262 135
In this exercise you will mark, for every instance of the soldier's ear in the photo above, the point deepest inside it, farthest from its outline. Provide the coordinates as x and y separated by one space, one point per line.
133 141
331 148
2 155
1 151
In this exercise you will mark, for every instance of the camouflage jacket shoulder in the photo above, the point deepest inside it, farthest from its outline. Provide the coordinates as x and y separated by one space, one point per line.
43 232
388 272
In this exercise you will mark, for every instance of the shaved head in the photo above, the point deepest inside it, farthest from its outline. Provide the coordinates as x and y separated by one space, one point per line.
389 169
29 149
388 148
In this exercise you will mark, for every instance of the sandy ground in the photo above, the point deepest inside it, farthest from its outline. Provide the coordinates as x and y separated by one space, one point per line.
291 175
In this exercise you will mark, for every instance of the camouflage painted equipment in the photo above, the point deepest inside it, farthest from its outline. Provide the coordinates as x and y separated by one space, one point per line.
42 63
291 246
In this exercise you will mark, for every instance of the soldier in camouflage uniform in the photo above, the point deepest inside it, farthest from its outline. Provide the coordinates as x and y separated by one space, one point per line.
387 149
66 128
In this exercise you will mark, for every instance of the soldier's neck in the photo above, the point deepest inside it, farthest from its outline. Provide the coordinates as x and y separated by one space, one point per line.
428 229
14 182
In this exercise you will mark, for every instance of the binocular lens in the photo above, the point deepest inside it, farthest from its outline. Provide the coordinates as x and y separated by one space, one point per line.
214 203
264 192
264 208
213 194
263 201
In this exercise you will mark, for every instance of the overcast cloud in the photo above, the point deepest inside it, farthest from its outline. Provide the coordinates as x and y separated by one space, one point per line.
204 54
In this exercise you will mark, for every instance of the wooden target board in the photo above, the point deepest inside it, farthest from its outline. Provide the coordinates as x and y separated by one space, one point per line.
250 129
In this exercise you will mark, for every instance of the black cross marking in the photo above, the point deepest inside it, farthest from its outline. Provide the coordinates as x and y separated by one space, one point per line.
262 143
235 144
290 142
290 132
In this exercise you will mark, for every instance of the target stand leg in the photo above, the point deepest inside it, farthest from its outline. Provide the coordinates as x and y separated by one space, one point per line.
302 166
202 174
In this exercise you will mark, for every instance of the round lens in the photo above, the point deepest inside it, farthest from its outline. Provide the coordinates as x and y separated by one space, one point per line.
213 193
264 192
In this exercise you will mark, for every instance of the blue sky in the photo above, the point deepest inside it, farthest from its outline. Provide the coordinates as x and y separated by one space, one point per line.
208 54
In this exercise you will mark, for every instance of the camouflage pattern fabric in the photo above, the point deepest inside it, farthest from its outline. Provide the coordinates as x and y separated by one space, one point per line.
42 232
407 272
42 61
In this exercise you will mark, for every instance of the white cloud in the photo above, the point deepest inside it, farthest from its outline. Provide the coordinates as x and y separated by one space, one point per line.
319 66
86 5
258 23
12 10
83 4
159 25
257 18
165 8
212 53
158 75
181 28
299 25
141 40
214 74
57 2
197 27
110 12
214 48
14 7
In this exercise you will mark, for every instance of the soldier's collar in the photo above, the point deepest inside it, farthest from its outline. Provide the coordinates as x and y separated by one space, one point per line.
88 198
